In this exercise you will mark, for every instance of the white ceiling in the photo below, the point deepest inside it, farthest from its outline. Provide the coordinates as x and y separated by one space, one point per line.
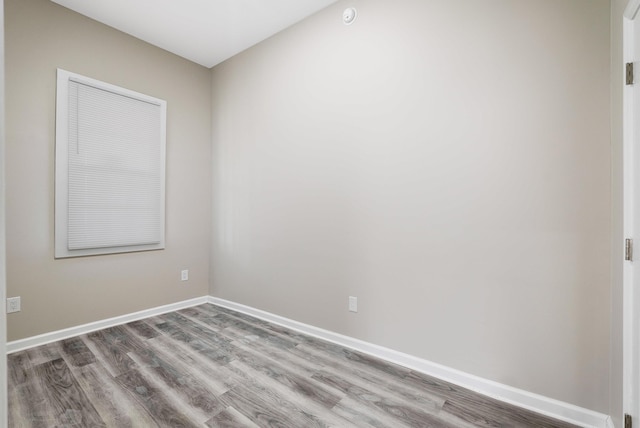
204 31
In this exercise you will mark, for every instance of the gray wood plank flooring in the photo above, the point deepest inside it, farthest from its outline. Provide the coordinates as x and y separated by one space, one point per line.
209 366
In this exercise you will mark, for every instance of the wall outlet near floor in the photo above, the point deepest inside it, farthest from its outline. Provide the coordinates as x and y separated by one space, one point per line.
353 304
13 304
184 275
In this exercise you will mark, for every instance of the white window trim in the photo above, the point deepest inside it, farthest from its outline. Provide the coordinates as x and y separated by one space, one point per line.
62 165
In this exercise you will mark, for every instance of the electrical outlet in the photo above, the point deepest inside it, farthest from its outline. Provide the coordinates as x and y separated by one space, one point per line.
184 275
353 304
13 304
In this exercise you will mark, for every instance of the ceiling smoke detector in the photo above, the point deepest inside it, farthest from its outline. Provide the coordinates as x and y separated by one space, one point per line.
349 15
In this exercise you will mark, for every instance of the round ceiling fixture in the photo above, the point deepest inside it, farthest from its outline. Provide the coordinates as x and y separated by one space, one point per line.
349 15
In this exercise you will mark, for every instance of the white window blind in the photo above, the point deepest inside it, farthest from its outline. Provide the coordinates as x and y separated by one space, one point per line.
110 156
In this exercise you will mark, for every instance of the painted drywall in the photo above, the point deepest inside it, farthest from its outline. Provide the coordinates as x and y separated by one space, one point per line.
448 163
41 36
3 271
617 237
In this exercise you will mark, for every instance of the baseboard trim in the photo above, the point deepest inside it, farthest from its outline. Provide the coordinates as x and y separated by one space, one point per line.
535 402
43 339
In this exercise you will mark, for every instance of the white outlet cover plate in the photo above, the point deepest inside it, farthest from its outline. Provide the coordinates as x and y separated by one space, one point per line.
13 305
353 304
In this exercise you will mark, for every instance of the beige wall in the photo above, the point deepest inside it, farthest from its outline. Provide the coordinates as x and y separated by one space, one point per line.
448 163
3 277
41 36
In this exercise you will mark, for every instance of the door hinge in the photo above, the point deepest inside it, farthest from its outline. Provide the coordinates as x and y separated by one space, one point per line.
628 249
629 73
627 421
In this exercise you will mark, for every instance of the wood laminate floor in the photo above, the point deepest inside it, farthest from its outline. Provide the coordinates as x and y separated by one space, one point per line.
212 367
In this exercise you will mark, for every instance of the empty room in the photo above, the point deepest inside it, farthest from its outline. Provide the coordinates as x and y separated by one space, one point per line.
296 213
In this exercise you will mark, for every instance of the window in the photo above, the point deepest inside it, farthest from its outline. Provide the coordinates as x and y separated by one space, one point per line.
110 168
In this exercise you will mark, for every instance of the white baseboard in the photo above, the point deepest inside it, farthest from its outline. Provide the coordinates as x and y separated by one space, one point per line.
535 402
43 339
